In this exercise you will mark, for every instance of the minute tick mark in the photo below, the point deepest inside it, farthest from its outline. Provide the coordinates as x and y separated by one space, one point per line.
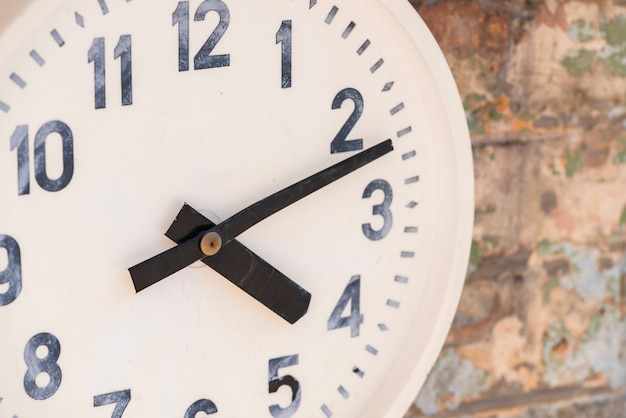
57 37
331 15
412 180
396 109
409 155
103 7
358 372
37 58
401 279
80 20
371 350
18 80
405 131
348 30
376 66
364 47
393 303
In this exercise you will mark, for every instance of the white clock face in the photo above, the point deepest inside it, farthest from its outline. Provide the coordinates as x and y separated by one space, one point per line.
114 113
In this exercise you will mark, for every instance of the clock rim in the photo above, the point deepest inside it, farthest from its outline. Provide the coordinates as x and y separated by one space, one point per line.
426 44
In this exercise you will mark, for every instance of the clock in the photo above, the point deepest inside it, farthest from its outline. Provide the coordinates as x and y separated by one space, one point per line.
226 208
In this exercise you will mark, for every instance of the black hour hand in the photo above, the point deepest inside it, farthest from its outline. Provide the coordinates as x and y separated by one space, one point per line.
245 269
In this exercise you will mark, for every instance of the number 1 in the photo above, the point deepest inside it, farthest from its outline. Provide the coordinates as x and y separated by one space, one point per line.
284 37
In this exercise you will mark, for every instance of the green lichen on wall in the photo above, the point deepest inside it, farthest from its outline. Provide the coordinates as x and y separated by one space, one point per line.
614 60
612 56
573 161
620 157
470 103
582 30
622 219
614 31
479 249
489 209
579 62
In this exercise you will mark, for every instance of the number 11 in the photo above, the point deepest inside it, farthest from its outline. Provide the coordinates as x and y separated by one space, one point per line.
123 50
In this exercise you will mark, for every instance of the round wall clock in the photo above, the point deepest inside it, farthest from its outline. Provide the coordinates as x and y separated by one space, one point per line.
226 207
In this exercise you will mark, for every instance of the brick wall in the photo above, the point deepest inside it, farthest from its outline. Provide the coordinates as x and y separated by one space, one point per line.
541 327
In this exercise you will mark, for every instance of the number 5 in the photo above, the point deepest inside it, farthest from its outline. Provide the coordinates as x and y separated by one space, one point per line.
275 382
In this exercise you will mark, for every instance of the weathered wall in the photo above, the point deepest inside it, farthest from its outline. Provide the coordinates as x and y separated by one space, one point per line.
541 328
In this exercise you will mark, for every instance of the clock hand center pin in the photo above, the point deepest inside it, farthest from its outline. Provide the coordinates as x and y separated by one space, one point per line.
211 243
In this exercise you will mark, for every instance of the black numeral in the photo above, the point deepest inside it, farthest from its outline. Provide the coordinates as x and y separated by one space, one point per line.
276 381
19 140
120 399
203 59
45 365
123 51
341 143
13 273
96 55
284 37
203 405
382 209
352 295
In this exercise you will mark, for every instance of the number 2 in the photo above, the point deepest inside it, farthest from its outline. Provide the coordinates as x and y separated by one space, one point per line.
341 143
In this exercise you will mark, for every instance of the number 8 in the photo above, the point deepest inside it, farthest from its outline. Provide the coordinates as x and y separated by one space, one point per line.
47 365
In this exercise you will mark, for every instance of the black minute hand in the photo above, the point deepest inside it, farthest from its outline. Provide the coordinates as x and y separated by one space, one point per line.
188 252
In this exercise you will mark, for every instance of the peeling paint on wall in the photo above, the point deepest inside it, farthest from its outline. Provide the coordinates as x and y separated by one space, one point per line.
541 326
452 380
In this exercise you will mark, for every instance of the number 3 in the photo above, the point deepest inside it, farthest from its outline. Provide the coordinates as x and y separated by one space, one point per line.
382 209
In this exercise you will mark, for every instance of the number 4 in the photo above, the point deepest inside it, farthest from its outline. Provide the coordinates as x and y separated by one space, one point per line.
351 294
